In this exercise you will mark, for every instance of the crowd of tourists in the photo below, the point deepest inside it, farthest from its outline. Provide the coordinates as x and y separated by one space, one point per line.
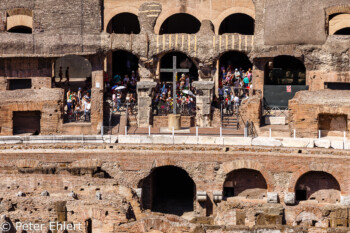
122 90
78 105
234 86
185 97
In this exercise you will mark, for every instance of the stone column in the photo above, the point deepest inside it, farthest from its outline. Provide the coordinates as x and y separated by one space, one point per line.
144 106
203 102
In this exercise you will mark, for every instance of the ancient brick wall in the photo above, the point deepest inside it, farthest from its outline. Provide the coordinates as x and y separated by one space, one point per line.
92 182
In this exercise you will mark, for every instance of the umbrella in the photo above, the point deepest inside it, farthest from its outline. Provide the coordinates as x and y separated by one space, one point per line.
188 92
114 87
120 88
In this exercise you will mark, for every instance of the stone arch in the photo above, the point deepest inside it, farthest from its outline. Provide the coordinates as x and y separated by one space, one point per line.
234 10
124 23
242 58
317 185
339 22
168 189
19 18
115 11
249 164
317 168
166 14
248 183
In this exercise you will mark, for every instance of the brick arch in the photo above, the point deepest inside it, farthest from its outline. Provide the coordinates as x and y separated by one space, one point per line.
317 168
339 22
234 10
249 164
166 14
115 11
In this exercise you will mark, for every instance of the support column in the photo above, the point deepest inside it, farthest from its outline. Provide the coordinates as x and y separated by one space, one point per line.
203 102
144 106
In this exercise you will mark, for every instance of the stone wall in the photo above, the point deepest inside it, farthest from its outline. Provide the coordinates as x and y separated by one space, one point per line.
162 121
73 188
306 108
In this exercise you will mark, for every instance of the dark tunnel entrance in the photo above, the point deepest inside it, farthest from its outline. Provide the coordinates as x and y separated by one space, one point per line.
168 190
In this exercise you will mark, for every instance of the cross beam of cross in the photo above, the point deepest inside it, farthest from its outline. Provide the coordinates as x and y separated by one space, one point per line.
174 70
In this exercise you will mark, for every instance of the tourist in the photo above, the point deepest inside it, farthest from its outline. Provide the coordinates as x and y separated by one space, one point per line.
60 74
246 81
87 110
237 74
67 75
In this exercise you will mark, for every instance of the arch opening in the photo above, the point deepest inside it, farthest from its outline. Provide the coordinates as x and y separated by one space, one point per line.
180 23
246 183
124 63
238 23
319 186
124 23
73 74
343 31
21 29
168 189
284 76
182 61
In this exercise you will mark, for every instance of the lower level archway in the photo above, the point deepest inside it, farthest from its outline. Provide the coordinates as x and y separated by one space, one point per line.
319 186
168 189
246 183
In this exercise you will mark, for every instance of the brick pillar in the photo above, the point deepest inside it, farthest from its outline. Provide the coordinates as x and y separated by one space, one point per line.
144 95
97 101
203 102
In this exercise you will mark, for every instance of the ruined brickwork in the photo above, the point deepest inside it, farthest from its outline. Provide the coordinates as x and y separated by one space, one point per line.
93 183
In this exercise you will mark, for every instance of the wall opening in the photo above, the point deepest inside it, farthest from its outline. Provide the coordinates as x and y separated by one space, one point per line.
16 84
169 190
180 23
21 29
26 122
329 123
124 23
124 63
246 183
234 60
343 31
284 76
337 85
182 61
88 226
319 186
238 23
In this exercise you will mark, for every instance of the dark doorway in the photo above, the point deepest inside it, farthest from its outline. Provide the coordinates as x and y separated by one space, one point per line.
319 186
124 23
15 84
180 23
333 122
235 60
88 226
182 61
343 31
246 183
26 122
169 190
21 29
237 23
124 63
284 76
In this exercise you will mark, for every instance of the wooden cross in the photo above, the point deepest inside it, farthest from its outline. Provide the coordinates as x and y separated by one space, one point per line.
174 71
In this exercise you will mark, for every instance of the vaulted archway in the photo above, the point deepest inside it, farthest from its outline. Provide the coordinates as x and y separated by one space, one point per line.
180 23
168 189
238 23
319 186
124 23
246 183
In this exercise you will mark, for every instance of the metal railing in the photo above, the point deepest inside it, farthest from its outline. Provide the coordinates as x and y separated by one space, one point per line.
77 116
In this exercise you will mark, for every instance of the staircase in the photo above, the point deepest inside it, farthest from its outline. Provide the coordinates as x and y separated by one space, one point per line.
230 121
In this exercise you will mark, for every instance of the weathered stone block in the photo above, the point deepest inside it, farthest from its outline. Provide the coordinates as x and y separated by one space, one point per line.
298 142
260 141
275 120
337 144
240 217
237 141
272 197
323 143
289 198
345 200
